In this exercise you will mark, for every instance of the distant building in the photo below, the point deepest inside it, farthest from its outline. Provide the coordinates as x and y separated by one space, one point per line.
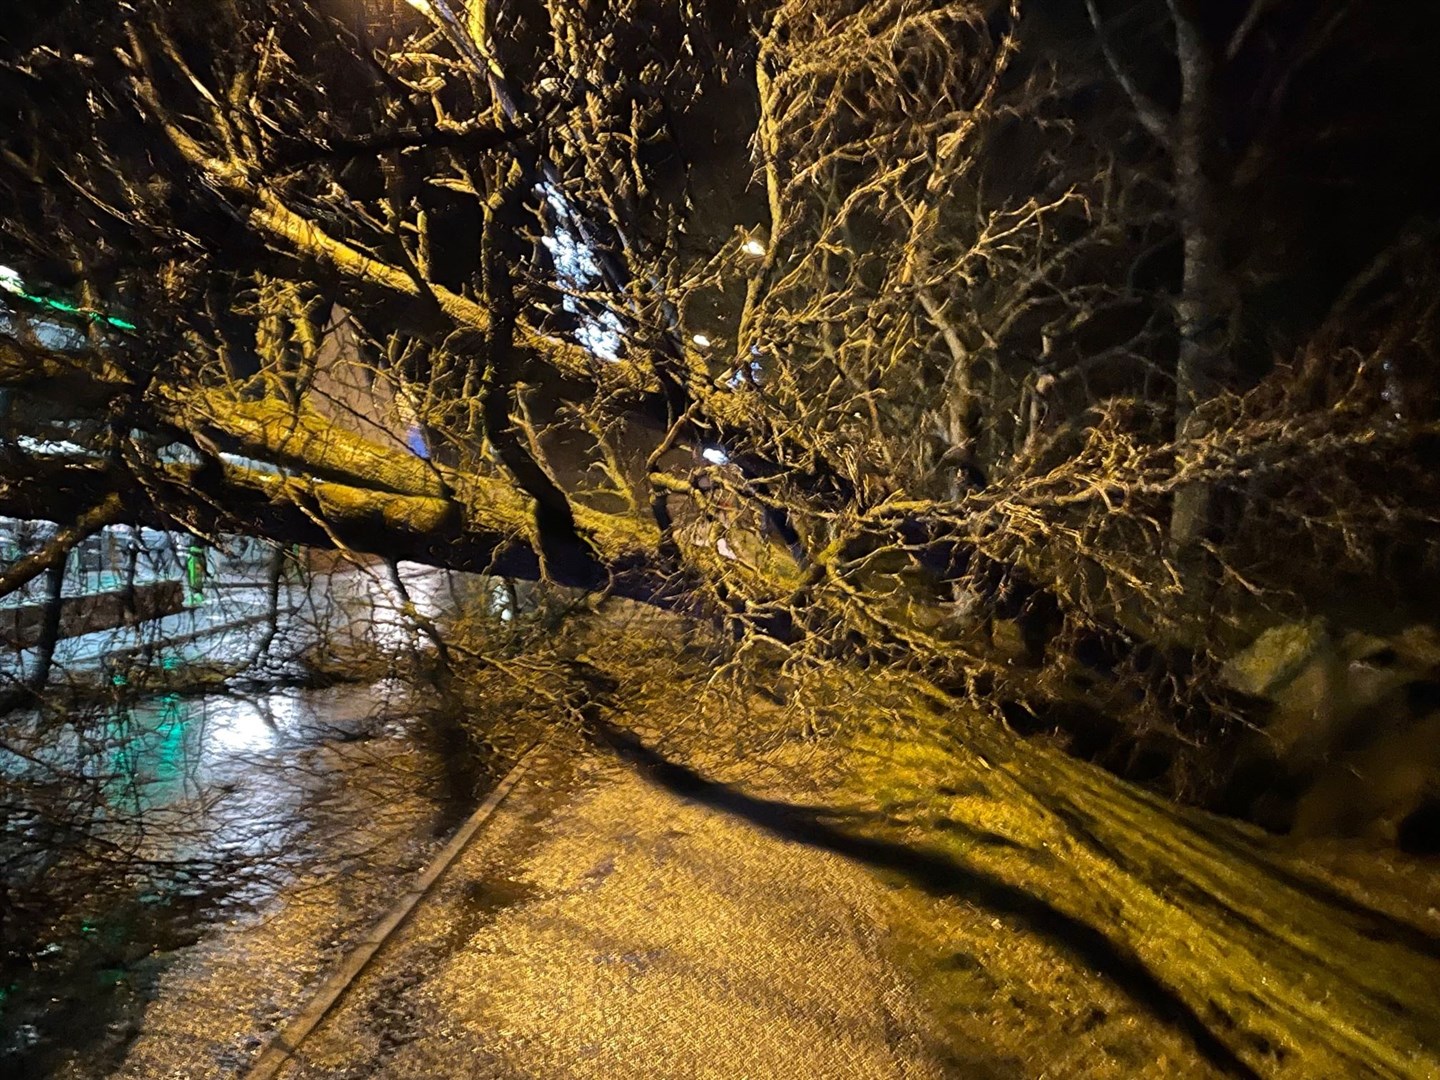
355 393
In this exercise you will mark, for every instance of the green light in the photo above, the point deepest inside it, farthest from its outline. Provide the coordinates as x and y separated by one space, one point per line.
11 282
195 573
72 309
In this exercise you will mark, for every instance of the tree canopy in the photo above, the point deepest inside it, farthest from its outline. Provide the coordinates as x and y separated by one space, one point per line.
1036 353
855 326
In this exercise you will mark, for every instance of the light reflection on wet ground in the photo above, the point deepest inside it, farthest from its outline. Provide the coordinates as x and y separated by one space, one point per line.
231 779
229 796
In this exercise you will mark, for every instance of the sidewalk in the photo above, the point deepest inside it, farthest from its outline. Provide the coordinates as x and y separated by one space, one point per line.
618 930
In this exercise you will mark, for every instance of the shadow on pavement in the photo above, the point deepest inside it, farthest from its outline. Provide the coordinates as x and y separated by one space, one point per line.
940 875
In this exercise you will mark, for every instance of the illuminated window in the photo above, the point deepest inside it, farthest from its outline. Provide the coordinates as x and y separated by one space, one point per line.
602 332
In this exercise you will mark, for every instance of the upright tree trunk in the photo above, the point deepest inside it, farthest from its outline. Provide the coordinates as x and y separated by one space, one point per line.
1203 309
50 628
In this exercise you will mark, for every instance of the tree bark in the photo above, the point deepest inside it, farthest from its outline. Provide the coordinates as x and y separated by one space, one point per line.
1292 975
1202 309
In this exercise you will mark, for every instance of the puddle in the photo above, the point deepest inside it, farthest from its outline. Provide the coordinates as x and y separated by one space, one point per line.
234 798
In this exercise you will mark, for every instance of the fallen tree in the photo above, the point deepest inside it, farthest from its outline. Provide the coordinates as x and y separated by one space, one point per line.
846 328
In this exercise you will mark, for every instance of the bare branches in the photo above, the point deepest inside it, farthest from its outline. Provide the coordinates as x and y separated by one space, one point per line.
867 326
1150 115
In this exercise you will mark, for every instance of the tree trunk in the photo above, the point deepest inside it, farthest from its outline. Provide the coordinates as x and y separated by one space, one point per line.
1293 976
1203 309
50 628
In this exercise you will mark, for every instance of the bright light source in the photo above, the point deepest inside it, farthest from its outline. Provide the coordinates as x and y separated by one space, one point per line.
715 455
11 281
422 6
701 340
753 247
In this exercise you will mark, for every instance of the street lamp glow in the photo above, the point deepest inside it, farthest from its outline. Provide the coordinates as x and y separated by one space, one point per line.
753 247
701 340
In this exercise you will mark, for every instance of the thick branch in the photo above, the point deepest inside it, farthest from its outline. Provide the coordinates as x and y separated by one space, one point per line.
53 554
1150 115
273 431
